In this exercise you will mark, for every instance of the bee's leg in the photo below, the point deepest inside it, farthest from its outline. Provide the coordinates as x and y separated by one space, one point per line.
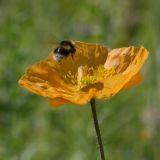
60 62
72 56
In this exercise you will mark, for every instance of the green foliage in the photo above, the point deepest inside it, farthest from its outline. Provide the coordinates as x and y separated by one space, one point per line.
129 122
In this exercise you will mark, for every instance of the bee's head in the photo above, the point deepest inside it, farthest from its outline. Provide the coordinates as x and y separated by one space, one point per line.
60 50
60 53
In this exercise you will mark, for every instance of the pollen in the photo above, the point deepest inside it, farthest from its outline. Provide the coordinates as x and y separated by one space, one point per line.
71 78
101 72
88 80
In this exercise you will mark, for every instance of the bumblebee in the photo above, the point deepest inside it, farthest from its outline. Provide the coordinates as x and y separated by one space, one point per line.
64 49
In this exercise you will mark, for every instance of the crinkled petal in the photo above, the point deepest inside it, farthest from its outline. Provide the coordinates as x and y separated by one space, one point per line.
43 79
114 84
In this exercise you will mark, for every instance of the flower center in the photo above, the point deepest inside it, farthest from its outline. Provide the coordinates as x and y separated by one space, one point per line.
88 75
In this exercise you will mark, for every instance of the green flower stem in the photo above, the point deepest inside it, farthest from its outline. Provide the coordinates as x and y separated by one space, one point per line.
94 113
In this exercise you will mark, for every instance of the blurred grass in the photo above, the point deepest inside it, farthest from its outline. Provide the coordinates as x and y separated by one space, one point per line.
129 122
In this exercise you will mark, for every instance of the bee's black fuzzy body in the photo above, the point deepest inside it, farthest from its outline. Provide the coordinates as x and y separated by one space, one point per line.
64 49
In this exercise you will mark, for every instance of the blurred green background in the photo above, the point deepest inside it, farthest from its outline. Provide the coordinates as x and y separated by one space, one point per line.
130 122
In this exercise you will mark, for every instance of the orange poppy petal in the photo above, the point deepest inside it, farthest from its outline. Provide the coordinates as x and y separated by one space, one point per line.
112 85
115 83
135 80
82 97
43 79
56 102
79 98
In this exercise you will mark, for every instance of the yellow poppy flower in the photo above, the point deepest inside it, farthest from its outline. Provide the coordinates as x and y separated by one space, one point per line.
94 72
